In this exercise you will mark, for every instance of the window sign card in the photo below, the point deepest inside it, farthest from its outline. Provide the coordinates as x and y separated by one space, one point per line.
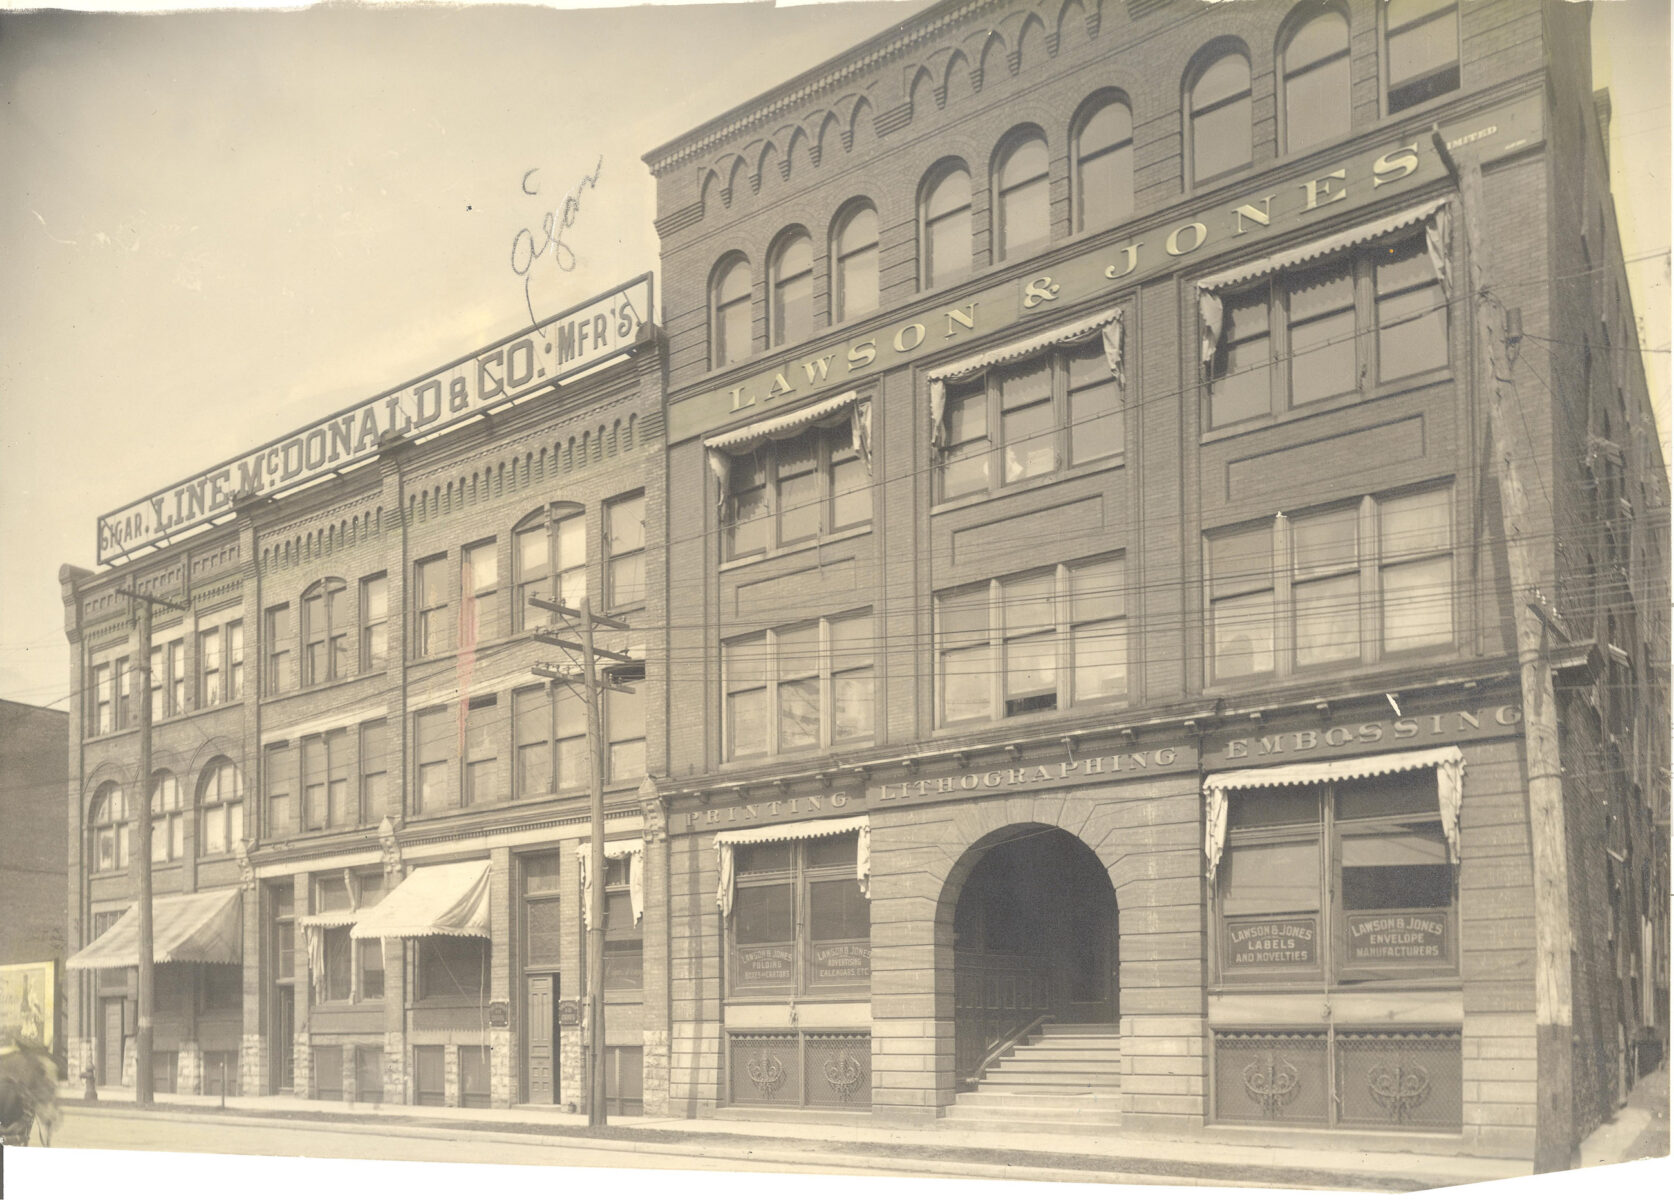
837 961
1398 937
764 964
1272 944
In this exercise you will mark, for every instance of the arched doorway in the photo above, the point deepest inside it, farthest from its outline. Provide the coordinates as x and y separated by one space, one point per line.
1034 936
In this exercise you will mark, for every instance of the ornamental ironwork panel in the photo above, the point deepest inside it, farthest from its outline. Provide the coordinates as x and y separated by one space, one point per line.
838 1068
1272 1078
765 1070
1405 1079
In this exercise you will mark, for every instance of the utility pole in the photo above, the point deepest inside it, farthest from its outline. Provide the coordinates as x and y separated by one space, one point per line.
142 830
1554 1017
585 619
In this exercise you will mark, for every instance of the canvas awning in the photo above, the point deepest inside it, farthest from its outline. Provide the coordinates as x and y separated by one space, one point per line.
448 900
833 411
1448 761
1107 323
202 927
1437 236
634 852
793 831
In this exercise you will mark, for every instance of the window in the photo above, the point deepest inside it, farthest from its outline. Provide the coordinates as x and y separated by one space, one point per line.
235 660
792 289
103 701
532 742
624 721
210 670
110 828
551 551
432 633
124 687
729 313
1023 201
328 1072
624 1068
1013 423
374 623
482 762
801 921
168 832
1037 642
325 633
1316 101
624 961
800 687
1298 337
220 808
479 579
1422 50
854 256
625 552
175 657
374 773
453 968
1220 126
796 490
429 1074
947 227
1350 881
279 771
283 911
352 969
327 801
549 728
1353 583
281 671
1104 166
434 742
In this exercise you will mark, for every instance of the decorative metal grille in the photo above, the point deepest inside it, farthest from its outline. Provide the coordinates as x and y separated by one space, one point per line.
838 1068
1410 1080
1272 1078
765 1070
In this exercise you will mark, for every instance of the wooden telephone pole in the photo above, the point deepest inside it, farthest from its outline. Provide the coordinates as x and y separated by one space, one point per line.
584 619
142 830
1554 1016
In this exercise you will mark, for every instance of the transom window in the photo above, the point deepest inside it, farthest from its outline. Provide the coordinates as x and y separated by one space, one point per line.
792 283
220 808
550 547
110 828
854 288
801 921
1353 583
799 687
1421 50
1037 642
729 313
1220 117
1104 166
793 491
1023 198
1014 423
947 227
168 830
1316 78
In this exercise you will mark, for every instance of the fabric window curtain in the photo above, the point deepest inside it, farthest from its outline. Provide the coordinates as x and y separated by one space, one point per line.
792 832
634 852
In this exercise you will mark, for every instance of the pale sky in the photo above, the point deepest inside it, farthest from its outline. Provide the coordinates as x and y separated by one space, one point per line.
215 227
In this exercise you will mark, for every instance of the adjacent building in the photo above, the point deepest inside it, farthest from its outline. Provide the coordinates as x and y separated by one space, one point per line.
33 743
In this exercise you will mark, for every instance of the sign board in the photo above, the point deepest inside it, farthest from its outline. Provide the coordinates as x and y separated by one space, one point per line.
1419 935
1281 742
1281 944
569 1012
29 1003
499 1014
580 338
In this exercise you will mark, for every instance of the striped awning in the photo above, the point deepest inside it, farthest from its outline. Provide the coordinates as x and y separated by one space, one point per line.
448 900
791 831
201 927
848 406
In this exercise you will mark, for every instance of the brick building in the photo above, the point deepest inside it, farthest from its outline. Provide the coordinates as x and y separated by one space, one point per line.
1108 655
33 744
365 802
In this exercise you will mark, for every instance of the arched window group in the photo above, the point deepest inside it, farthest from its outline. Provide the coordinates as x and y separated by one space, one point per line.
109 822
168 833
220 808
219 817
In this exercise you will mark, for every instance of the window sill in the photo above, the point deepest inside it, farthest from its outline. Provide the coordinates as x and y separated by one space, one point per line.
316 688
1028 485
1003 725
803 754
1314 408
733 564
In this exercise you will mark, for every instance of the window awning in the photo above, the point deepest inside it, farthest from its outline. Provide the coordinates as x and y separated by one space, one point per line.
830 412
792 831
448 900
1437 237
202 927
1108 323
1448 761
634 852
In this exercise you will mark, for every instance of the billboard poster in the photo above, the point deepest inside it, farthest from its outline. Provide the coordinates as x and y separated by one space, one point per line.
28 1003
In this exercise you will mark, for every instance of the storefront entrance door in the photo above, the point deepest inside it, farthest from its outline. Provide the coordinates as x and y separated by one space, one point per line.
110 1047
284 1029
541 1039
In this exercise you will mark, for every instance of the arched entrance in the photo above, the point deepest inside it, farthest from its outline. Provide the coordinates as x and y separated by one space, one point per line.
1034 936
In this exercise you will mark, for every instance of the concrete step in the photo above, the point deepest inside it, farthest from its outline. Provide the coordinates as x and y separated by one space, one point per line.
1023 1066
1050 1053
1008 1123
1076 1043
989 1097
1049 1087
1053 1027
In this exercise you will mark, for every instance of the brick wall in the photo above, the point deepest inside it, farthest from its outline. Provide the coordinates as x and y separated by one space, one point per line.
34 744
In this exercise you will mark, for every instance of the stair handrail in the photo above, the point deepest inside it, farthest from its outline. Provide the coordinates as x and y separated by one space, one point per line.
1005 1046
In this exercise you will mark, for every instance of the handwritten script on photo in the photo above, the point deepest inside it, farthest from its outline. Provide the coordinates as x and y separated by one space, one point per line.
529 248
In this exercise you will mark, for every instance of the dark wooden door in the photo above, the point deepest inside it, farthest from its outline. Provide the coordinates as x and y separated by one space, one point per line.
541 1040
110 1049
284 1032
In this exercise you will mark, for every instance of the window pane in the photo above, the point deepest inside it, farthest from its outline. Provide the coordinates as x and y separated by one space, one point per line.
948 230
966 684
851 495
748 532
1405 870
793 291
627 760
799 652
858 284
1420 48
1106 168
1028 437
851 715
799 714
1317 105
1417 605
1268 807
1241 562
747 723
1263 880
762 913
1326 542
799 505
963 616
1240 389
838 911
1097 591
1387 795
1418 524
1412 332
1327 620
625 525
1100 653
1029 603
1322 336
1025 218
1031 666
1094 407
1221 138
1243 635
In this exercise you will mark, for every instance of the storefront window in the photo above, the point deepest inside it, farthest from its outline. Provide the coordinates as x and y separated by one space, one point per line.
801 922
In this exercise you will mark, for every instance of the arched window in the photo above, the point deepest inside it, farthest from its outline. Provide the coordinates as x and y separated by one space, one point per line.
1104 166
220 808
854 256
550 548
168 834
947 227
110 828
791 315
1220 116
729 312
1316 78
326 621
1422 50
1022 201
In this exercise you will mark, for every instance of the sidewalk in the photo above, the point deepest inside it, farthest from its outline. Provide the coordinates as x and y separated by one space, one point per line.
1108 1158
1639 1130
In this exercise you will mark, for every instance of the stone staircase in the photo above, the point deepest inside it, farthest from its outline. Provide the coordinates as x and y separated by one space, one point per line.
1064 1079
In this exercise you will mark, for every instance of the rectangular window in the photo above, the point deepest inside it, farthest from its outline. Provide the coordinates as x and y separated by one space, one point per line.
124 688
1355 583
1039 642
532 742
103 707
1035 419
453 968
482 761
478 582
209 668
624 728
156 689
474 1088
1423 50
281 649
433 741
799 687
374 623
625 552
624 962
429 1072
314 782
785 493
570 740
801 923
432 632
374 773
316 637
337 952
279 769
341 811
235 660
550 562
369 1075
1370 316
